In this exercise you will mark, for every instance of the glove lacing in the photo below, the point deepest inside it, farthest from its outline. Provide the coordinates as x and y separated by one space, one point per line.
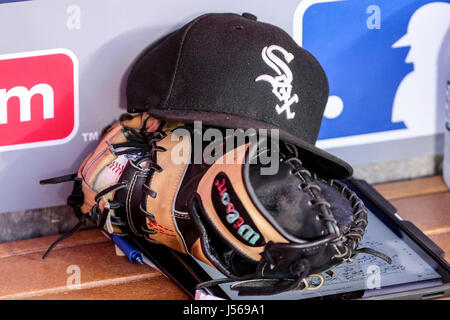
140 143
144 145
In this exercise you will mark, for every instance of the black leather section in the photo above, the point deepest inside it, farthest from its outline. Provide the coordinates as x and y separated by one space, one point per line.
304 209
187 190
341 207
286 256
321 256
188 230
216 249
281 197
131 197
192 177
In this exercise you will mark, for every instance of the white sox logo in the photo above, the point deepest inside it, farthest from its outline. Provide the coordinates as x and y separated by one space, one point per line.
281 84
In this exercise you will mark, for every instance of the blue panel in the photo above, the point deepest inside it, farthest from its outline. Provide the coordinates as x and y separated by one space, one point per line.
363 68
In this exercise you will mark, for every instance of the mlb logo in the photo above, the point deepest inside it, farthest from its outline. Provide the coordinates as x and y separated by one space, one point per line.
386 62
38 99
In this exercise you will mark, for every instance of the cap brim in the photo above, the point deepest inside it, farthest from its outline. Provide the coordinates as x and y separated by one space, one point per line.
323 163
315 159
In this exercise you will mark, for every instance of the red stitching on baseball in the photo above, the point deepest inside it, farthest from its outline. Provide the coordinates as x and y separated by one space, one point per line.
116 167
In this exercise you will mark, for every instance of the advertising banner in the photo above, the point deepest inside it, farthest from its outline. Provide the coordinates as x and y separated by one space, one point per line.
64 66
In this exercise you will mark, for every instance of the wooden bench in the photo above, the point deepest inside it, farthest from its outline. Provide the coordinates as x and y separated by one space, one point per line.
24 275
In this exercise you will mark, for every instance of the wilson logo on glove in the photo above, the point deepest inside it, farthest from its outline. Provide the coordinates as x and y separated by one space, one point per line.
38 98
232 212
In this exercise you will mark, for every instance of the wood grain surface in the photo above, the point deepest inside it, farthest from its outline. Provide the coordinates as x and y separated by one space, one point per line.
104 275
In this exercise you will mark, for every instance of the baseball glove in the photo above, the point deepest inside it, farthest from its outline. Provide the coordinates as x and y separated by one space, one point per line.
268 233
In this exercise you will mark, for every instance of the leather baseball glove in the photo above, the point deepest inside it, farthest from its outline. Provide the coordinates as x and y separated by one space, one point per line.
267 233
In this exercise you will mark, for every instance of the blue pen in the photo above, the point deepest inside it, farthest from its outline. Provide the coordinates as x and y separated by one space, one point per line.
132 254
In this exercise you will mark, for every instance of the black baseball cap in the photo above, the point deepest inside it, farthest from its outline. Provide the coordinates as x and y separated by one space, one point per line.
233 71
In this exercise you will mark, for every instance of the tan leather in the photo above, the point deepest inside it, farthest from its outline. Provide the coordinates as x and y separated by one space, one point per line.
234 172
197 251
135 122
166 184
97 160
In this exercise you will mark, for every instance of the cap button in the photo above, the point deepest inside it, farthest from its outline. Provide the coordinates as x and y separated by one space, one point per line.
249 16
